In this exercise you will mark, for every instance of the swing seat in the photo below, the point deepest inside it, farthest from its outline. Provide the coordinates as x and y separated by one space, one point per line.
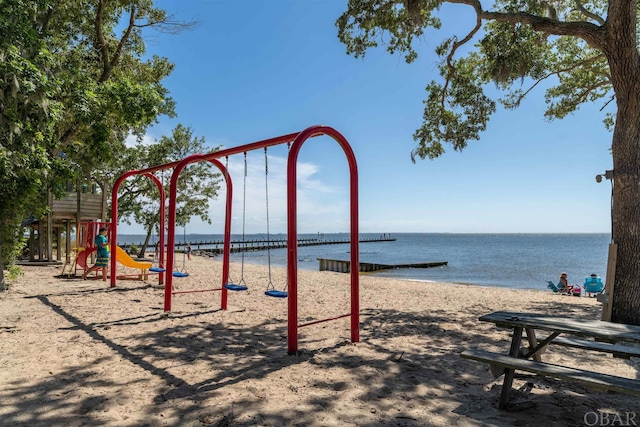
180 274
276 294
157 270
234 287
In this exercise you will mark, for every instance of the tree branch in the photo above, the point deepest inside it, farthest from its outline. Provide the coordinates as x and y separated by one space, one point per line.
133 193
169 26
66 137
456 45
580 7
557 73
590 33
109 65
587 31
102 45
613 97
45 24
583 96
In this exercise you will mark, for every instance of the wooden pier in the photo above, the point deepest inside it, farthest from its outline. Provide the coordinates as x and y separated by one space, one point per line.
341 266
261 245
264 244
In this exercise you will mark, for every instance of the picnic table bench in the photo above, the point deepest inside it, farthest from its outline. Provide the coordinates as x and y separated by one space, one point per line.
592 336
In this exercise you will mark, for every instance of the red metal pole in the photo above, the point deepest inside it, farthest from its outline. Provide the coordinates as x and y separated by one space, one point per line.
355 233
292 233
315 322
228 151
172 224
114 223
162 222
226 245
292 244
114 217
171 229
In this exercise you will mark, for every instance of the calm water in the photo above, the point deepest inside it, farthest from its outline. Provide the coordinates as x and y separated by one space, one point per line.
523 261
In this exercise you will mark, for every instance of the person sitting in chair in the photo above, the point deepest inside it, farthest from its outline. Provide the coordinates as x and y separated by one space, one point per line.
563 285
593 285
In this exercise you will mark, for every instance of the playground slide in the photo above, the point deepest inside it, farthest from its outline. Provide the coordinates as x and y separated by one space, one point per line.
81 259
123 258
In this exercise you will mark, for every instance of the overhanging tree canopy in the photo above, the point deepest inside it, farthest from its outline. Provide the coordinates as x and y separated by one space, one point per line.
588 50
74 82
199 183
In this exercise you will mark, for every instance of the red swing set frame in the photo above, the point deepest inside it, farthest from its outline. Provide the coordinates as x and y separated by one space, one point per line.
296 140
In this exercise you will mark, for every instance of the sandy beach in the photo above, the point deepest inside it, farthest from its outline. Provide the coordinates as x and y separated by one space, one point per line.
77 353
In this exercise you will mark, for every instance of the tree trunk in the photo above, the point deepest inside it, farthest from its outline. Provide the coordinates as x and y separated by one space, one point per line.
3 283
145 245
626 216
105 200
626 204
620 47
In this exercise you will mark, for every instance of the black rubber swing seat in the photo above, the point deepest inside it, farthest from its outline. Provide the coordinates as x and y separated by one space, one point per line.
276 294
157 270
180 274
233 287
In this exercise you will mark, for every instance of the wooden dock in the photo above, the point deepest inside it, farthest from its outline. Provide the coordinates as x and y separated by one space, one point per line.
261 245
264 244
342 266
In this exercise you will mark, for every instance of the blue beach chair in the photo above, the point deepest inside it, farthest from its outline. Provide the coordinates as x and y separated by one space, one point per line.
557 289
553 287
593 285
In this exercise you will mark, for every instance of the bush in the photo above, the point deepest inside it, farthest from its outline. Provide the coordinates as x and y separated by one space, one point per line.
13 272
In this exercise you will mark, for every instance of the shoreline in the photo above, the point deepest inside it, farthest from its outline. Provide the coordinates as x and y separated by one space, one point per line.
373 274
482 259
77 353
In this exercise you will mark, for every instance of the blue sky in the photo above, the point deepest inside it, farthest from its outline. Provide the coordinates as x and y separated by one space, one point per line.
257 69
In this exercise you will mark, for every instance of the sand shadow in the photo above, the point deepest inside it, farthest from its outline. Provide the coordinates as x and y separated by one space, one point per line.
404 361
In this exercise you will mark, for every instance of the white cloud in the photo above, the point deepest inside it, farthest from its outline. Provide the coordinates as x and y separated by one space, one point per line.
132 140
320 206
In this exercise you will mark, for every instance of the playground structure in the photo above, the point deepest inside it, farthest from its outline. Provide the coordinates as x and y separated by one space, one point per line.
85 247
50 236
295 142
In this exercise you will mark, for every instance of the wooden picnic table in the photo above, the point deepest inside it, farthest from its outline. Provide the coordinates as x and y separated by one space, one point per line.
617 339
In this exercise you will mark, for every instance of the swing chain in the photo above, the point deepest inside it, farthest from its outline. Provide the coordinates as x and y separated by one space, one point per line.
244 212
266 187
